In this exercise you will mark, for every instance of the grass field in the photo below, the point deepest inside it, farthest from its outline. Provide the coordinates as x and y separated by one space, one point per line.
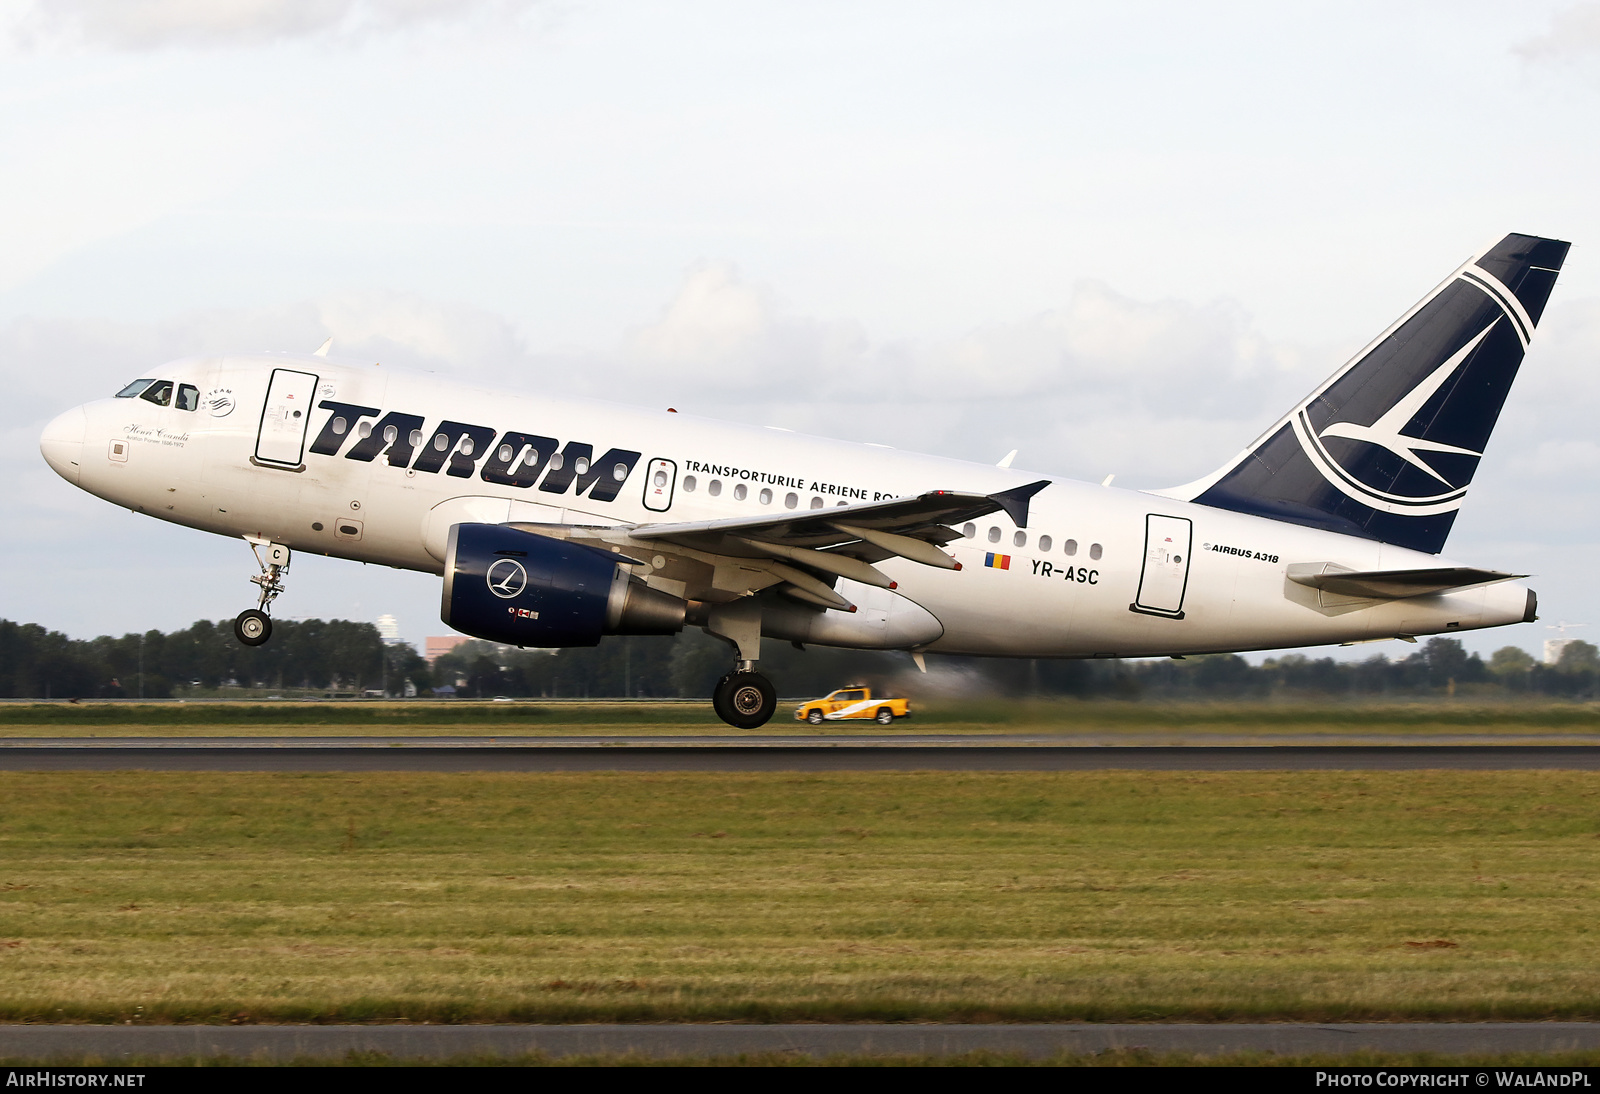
905 896
1065 717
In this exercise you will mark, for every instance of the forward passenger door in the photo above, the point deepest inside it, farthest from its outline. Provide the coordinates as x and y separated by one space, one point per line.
281 441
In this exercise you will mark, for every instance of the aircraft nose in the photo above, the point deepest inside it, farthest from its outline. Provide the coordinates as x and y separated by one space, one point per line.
61 443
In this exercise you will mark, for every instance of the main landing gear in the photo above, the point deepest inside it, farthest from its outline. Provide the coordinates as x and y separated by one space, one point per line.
254 626
744 698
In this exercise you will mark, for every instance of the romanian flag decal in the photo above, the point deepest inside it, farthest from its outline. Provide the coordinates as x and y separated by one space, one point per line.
998 562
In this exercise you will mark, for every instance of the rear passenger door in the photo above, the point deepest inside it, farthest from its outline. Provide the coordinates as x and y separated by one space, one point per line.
1165 577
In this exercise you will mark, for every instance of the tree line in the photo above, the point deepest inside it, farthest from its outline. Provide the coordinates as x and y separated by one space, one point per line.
345 657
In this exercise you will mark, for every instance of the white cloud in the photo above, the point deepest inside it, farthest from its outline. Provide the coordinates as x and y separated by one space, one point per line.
1574 33
1557 459
401 328
153 24
1081 386
1103 383
115 170
720 332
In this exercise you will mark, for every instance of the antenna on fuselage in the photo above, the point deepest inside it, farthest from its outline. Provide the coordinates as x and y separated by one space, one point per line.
322 350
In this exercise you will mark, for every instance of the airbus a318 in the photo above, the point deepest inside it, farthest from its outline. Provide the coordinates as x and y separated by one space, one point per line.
554 522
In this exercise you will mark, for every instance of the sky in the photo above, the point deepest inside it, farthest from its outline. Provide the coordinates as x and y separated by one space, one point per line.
1122 239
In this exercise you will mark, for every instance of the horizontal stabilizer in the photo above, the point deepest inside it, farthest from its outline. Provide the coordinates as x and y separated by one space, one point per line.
1391 584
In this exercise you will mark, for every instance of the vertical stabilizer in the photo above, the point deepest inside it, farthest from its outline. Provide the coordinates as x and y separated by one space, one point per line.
1387 447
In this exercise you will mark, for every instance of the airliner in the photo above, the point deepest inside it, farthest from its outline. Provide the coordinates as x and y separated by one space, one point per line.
554 522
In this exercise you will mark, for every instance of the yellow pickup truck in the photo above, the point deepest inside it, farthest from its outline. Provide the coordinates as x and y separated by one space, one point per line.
853 702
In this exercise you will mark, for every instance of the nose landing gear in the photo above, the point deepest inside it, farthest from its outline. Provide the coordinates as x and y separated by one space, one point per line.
254 626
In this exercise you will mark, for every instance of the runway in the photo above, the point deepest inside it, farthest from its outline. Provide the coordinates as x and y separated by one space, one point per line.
732 753
113 1044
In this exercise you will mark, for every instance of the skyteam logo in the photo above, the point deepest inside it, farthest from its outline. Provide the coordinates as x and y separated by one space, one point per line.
506 578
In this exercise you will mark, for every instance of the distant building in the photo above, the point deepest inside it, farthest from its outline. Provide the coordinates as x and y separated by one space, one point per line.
389 630
1553 648
439 645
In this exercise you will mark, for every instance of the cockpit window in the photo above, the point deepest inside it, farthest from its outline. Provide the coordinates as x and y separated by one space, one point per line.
188 397
134 389
159 393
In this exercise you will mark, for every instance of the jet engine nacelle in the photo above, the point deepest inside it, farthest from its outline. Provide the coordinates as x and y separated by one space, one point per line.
524 589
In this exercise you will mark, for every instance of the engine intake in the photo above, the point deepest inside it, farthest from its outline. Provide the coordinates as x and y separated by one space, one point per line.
524 589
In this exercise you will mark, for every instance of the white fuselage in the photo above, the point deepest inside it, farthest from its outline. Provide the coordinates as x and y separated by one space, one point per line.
1066 591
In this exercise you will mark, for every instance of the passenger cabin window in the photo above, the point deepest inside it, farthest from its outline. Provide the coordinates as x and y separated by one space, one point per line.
159 393
1095 551
1044 543
188 397
134 389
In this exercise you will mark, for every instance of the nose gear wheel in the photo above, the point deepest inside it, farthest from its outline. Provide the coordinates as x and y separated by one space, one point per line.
252 628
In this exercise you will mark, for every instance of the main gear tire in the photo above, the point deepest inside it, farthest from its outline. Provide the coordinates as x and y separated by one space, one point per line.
745 700
253 627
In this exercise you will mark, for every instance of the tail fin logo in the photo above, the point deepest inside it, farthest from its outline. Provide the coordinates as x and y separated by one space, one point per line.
1386 433
1387 446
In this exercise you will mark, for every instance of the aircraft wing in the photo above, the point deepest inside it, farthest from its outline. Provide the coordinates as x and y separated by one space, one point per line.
925 517
804 552
1392 584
